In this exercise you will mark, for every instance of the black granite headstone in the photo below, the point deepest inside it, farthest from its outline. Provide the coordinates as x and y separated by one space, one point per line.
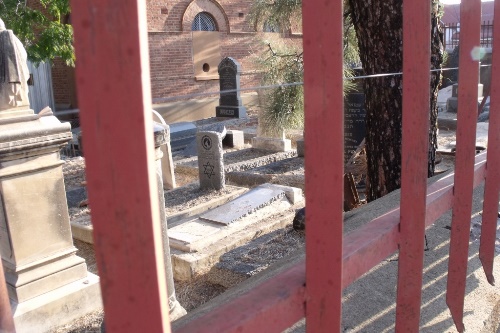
229 78
354 123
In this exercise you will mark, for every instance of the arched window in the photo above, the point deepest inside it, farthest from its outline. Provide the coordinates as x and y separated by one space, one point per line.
203 22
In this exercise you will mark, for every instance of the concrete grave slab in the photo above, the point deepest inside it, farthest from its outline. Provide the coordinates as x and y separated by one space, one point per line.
246 204
198 243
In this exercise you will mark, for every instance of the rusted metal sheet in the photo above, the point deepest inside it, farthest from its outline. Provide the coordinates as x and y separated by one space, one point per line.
324 162
414 152
492 185
115 109
470 24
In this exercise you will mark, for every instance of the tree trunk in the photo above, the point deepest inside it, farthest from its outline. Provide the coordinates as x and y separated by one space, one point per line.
437 46
379 30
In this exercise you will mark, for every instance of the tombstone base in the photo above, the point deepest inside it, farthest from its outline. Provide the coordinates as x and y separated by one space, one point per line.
300 148
272 144
234 139
231 111
58 307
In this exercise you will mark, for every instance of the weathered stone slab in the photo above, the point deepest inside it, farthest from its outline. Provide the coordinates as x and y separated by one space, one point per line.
246 204
234 139
210 162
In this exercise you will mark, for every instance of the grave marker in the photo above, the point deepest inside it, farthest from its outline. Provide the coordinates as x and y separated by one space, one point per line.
210 163
229 77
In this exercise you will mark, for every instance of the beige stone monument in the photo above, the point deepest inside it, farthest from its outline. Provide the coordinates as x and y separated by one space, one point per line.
48 284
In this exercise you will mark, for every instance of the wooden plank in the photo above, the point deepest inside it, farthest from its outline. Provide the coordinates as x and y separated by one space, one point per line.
414 155
113 84
492 185
324 138
470 24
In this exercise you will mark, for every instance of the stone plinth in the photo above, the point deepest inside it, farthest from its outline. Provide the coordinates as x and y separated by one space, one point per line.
234 139
35 236
272 144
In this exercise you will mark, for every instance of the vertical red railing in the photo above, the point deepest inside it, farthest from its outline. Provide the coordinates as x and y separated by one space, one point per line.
416 97
492 183
324 137
113 83
470 24
6 320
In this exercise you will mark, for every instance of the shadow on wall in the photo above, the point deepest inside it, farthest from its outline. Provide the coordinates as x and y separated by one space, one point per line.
197 109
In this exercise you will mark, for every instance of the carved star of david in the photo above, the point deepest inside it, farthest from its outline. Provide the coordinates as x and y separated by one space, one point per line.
208 170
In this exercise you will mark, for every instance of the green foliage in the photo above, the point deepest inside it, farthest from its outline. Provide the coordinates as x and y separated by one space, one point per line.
283 63
283 106
44 33
281 14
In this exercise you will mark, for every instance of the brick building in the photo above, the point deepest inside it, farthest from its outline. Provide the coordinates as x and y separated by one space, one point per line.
187 40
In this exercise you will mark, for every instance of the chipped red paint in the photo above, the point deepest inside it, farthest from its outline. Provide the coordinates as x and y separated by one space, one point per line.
416 96
492 184
115 109
324 163
470 24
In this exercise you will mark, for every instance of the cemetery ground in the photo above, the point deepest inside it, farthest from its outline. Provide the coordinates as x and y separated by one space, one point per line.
245 167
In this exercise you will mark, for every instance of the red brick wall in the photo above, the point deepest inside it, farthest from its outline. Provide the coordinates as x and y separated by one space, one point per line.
171 58
60 82
170 46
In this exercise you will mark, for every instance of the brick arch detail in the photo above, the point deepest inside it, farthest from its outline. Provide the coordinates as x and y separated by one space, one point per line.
211 7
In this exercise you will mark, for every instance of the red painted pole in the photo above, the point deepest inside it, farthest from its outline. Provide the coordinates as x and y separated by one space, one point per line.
324 138
470 24
492 183
6 320
416 97
113 84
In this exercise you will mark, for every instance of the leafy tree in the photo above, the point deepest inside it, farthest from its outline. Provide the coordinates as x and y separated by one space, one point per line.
282 62
42 27
373 32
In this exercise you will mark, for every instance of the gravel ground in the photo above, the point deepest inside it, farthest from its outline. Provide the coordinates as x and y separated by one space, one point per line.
194 293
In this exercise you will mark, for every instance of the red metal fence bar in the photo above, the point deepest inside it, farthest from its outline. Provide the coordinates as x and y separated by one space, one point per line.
470 20
113 83
416 96
6 320
324 161
363 249
492 185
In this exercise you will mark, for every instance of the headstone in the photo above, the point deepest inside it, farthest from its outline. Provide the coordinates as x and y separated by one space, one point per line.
192 148
234 139
210 160
167 163
354 123
48 284
229 78
162 138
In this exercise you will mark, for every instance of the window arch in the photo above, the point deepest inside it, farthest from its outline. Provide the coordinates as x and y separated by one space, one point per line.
203 22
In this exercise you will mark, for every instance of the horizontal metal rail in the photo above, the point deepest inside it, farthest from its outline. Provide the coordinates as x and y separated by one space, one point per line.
363 249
